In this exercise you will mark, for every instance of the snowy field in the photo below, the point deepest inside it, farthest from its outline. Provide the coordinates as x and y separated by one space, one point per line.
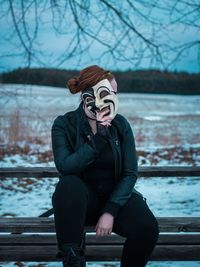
166 130
158 120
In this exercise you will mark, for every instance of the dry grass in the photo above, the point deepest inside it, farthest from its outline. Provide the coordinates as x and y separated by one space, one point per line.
18 137
174 156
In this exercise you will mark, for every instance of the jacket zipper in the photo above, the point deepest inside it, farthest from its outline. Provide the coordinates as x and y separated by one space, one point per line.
115 156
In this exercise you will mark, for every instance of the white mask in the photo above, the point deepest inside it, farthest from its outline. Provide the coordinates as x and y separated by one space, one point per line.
99 97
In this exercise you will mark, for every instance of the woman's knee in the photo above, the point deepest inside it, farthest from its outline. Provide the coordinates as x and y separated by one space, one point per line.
71 181
147 229
141 222
71 184
147 222
150 227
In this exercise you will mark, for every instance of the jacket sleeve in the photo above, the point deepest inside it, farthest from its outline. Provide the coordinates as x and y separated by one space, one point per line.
66 160
123 190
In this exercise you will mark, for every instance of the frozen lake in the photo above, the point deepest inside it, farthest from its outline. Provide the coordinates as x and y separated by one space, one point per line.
166 130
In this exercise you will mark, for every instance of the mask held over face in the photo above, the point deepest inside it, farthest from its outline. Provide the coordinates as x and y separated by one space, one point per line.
100 98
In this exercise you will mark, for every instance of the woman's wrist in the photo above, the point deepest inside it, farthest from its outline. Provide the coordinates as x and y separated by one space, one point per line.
112 208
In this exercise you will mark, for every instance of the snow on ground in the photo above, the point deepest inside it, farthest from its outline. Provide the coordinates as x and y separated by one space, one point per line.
108 264
157 120
166 130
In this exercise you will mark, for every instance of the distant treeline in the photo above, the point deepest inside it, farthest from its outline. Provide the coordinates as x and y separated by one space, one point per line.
140 81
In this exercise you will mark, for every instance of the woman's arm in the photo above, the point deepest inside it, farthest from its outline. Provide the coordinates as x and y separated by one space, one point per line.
123 190
67 161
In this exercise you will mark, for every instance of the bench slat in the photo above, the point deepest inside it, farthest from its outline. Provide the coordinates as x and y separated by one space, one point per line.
145 171
97 253
50 239
45 225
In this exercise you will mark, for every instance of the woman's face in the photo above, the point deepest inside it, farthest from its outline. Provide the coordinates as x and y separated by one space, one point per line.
101 97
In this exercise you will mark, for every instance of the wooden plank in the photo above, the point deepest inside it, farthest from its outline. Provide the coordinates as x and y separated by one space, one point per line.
145 171
176 253
29 172
92 239
97 253
168 171
45 225
27 224
179 224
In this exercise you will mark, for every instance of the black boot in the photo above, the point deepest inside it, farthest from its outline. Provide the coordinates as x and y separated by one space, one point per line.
72 254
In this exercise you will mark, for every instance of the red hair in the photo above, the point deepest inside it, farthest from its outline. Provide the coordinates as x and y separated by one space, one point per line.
88 77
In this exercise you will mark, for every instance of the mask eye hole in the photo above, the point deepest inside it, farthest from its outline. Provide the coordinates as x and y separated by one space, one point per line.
89 99
103 93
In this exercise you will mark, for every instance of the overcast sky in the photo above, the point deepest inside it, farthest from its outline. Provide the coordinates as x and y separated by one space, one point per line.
53 46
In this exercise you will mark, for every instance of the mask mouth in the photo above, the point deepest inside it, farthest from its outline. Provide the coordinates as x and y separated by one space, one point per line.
104 109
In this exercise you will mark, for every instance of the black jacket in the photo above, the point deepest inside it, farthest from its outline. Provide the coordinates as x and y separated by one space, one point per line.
74 148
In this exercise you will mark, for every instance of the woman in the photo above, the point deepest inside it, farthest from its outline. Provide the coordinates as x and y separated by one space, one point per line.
94 152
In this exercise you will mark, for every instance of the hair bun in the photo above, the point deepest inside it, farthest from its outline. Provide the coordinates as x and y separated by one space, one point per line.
72 84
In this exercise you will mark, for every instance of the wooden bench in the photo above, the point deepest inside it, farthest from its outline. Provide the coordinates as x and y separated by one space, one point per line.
34 238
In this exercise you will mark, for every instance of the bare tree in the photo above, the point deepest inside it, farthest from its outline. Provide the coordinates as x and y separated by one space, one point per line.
123 31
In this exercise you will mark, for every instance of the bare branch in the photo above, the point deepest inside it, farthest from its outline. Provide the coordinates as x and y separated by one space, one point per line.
118 31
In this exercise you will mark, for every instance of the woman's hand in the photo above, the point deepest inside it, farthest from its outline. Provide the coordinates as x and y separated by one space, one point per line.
104 225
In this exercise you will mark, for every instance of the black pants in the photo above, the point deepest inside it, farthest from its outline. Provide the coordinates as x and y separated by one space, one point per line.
77 205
